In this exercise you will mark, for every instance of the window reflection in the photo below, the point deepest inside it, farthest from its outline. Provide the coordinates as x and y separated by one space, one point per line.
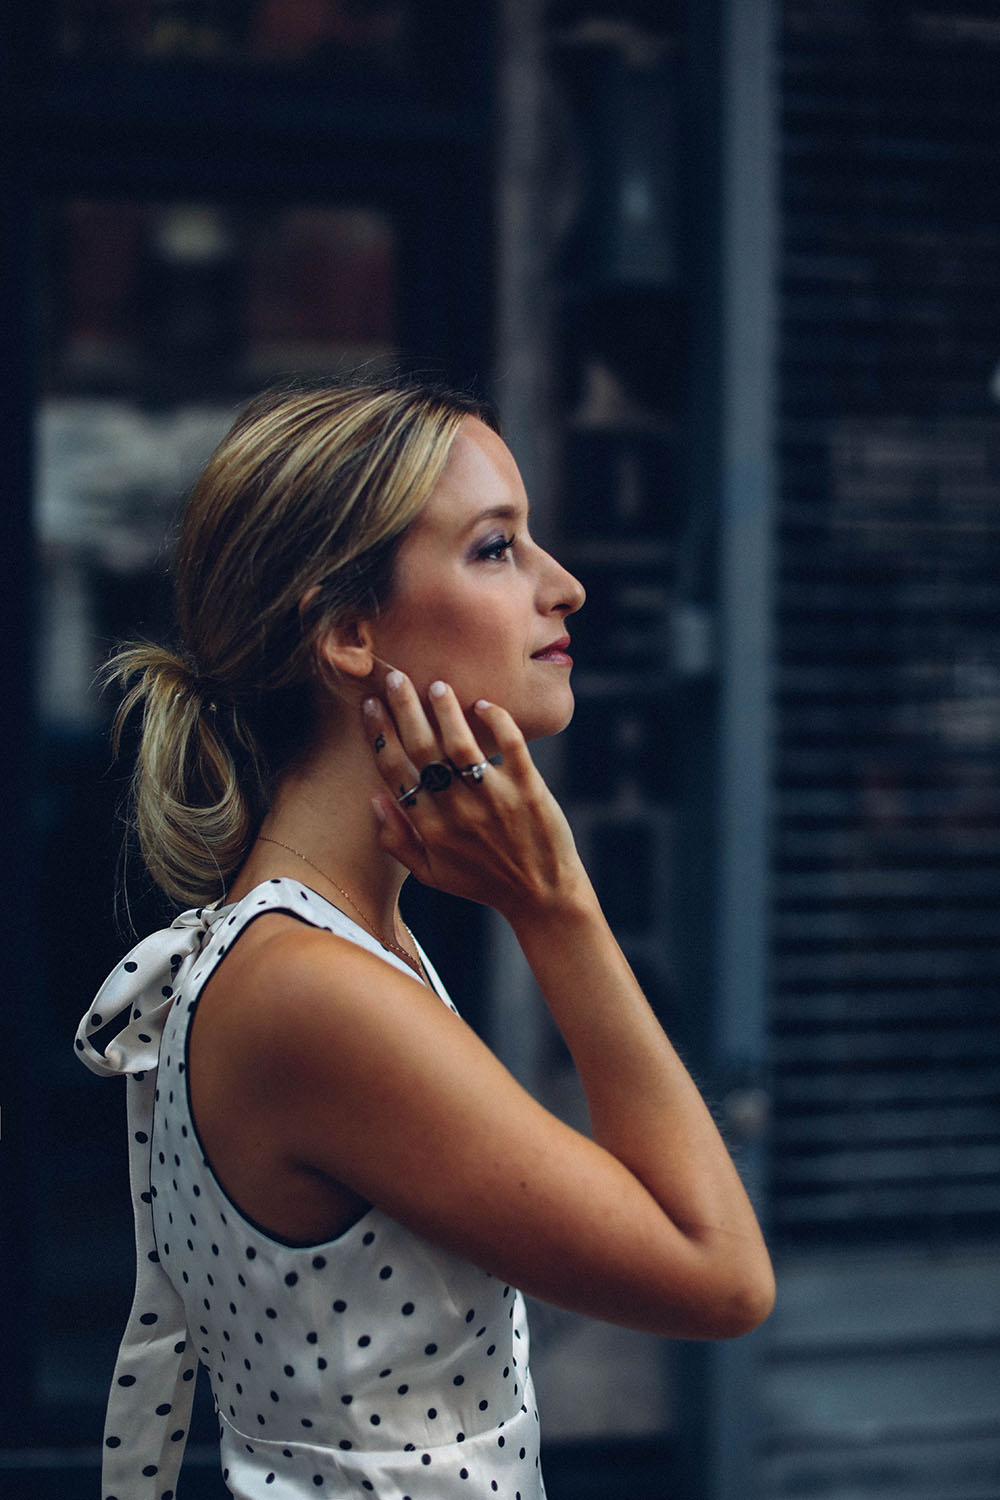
255 31
160 299
159 317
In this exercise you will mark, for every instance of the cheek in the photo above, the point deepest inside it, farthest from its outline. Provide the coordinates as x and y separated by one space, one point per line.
439 634
474 635
445 625
462 619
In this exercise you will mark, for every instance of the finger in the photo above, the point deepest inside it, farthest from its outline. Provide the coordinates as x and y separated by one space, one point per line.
391 760
456 735
507 736
398 837
412 724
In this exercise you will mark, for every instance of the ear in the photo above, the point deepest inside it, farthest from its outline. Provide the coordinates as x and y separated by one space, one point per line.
345 649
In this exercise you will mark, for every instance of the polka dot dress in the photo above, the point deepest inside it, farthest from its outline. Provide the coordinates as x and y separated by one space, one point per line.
373 1364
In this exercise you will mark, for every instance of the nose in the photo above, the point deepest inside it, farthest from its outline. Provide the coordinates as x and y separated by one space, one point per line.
566 591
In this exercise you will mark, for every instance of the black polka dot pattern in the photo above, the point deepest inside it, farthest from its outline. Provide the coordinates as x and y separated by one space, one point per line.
373 1363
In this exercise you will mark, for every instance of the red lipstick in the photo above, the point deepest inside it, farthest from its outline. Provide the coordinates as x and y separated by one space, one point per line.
555 652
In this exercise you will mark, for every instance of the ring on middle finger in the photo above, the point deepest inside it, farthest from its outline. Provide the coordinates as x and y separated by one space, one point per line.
435 776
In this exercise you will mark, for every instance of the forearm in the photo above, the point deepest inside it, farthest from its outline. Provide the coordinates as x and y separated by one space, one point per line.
644 1106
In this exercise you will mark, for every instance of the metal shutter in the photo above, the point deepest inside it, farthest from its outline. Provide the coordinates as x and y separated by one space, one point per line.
886 1026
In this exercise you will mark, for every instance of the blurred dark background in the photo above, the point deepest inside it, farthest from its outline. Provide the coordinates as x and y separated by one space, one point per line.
731 271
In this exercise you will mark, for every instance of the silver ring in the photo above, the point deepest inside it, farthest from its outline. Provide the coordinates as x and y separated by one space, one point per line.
477 771
408 799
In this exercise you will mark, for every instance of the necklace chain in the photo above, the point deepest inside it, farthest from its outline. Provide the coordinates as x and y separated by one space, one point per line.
414 962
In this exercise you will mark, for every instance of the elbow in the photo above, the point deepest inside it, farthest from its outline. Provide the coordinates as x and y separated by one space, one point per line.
713 1314
750 1307
743 1304
731 1296
712 1310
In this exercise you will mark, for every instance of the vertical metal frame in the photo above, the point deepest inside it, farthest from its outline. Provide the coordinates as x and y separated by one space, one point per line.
521 387
732 100
746 481
747 160
20 1064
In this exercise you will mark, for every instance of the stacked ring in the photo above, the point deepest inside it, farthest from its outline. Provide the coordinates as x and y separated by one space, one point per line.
436 775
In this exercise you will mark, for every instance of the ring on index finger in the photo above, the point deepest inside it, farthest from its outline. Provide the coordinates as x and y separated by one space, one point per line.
477 770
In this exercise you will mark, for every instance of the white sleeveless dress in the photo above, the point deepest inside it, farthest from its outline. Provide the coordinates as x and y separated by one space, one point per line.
375 1364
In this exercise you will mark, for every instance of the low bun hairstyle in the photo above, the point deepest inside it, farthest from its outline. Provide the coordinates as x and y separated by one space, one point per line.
308 497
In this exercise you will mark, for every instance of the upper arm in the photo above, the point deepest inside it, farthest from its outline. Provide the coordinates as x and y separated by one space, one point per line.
369 1079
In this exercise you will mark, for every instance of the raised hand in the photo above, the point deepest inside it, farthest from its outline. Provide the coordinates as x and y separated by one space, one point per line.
468 811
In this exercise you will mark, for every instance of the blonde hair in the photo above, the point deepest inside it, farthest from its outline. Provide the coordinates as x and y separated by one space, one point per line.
306 498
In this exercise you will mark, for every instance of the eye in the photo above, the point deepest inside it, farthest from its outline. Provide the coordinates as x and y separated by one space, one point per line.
493 551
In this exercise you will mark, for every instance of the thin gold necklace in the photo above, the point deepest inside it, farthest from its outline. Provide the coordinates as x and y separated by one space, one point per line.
414 961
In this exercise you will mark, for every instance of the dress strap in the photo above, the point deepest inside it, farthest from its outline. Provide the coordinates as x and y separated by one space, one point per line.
150 1405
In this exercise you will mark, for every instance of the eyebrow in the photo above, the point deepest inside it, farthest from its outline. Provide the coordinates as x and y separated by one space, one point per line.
496 513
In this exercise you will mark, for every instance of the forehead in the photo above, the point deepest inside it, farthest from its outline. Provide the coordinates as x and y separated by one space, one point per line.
480 475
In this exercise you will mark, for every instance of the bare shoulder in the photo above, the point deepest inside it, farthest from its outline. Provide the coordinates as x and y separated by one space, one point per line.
283 1020
298 1020
291 983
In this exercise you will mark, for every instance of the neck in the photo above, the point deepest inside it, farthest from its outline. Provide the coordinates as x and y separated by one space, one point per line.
322 809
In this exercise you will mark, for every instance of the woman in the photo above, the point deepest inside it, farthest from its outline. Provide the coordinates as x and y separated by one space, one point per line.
336 1184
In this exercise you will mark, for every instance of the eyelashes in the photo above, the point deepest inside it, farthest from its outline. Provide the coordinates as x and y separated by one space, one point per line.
495 550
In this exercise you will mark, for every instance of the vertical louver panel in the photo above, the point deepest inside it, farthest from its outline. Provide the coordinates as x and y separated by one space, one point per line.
886 937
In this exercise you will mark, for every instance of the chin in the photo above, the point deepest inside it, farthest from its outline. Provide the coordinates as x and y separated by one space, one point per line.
541 726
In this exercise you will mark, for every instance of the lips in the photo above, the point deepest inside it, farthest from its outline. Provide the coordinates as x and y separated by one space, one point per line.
556 651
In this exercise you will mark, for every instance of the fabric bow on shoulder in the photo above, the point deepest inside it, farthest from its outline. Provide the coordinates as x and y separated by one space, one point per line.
150 1404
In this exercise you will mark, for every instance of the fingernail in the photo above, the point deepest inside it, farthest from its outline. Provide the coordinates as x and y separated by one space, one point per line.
482 703
394 680
437 689
370 706
378 809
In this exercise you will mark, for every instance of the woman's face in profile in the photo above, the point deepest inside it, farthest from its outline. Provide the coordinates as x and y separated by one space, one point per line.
475 601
